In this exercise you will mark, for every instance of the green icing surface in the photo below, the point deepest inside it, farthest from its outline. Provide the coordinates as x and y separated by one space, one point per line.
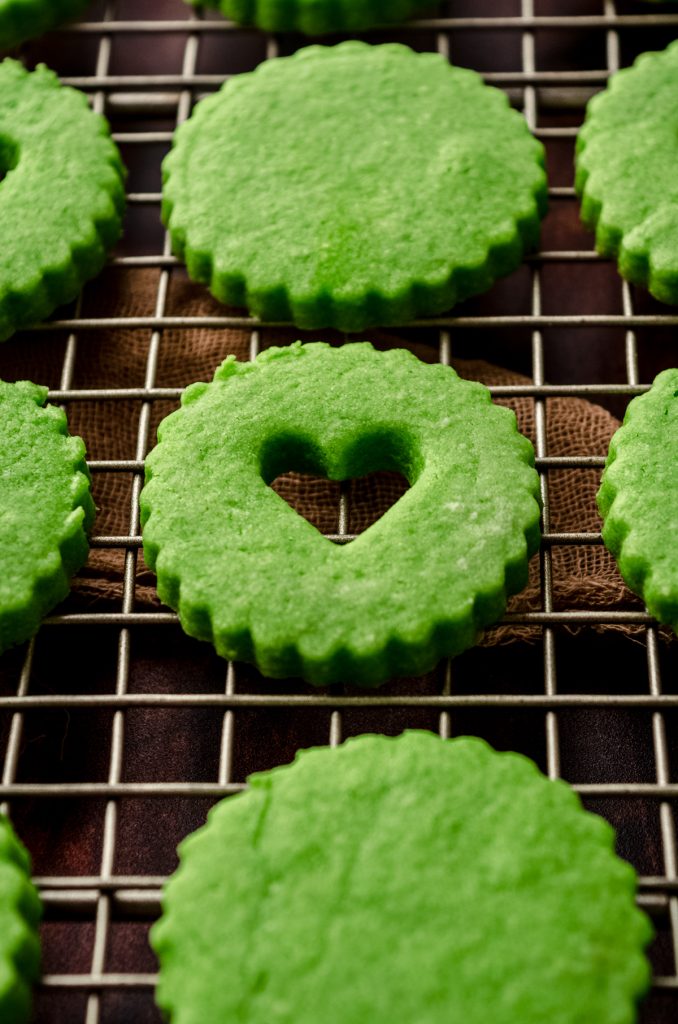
638 498
353 185
25 19
245 571
19 917
627 154
315 17
45 509
411 880
61 199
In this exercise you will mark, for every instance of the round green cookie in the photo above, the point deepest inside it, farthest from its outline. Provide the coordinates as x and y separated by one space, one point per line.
19 917
627 153
316 17
638 498
61 199
353 185
25 19
45 509
410 880
245 571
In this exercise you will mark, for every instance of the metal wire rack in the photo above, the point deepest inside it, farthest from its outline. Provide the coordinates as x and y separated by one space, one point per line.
116 732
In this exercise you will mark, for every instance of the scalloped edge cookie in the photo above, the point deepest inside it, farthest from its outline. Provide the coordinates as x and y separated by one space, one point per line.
20 913
46 582
402 879
640 487
247 573
644 257
52 144
336 272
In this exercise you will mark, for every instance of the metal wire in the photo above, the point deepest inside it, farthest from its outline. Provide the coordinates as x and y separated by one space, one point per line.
106 894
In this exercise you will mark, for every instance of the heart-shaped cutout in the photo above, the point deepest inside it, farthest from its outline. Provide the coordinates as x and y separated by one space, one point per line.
339 510
342 510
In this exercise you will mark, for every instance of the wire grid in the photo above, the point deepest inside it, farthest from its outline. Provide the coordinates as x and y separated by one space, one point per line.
101 899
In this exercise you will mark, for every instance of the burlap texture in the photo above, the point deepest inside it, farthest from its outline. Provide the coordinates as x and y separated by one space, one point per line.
584 576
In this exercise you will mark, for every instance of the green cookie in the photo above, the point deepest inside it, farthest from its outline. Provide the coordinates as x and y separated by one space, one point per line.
353 186
246 572
45 509
316 17
62 197
410 880
627 154
638 498
25 19
19 918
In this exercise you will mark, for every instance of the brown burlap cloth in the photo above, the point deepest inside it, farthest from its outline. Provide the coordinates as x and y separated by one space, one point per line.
584 576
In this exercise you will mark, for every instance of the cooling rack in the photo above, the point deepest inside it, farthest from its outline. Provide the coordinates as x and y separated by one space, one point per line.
116 732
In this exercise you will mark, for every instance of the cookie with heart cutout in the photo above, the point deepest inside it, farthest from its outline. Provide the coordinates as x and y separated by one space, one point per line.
353 186
317 17
24 19
46 509
20 913
247 573
62 196
402 879
627 151
638 498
